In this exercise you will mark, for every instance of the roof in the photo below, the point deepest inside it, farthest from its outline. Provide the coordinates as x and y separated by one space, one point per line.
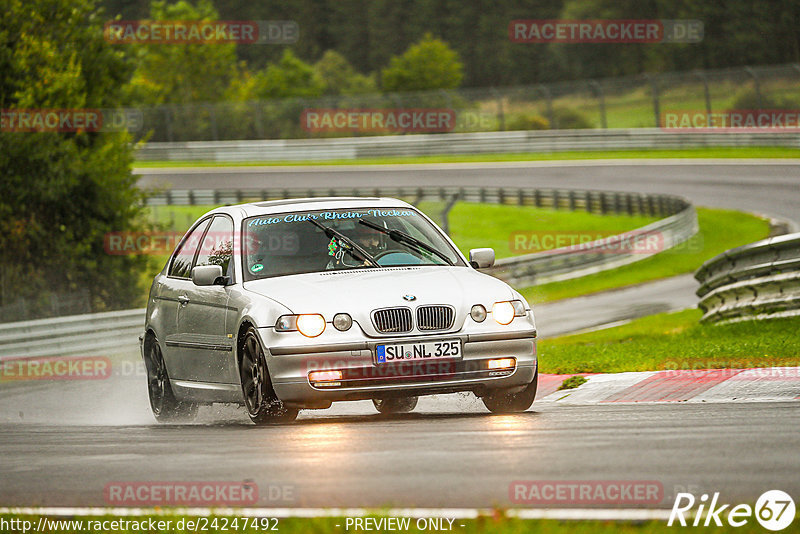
309 204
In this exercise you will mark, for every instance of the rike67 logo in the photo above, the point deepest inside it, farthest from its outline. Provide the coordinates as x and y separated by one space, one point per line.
774 510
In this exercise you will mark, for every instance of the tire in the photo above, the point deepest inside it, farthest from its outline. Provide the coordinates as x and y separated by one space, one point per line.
395 405
501 402
262 404
165 407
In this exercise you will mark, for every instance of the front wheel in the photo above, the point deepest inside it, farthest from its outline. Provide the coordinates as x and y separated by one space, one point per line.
166 408
263 405
395 405
502 402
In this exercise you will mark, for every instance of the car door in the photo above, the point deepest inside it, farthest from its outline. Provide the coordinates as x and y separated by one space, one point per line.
205 336
172 297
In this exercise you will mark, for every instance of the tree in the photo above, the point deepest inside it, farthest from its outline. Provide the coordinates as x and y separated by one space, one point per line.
63 192
429 64
181 73
340 78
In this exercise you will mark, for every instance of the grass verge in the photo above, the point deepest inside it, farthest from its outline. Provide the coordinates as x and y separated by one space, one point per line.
714 152
674 341
720 230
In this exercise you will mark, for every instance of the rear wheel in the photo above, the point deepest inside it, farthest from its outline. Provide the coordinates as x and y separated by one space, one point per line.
166 408
395 405
263 405
503 402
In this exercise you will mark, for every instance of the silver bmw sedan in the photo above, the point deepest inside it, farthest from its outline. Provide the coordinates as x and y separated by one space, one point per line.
293 304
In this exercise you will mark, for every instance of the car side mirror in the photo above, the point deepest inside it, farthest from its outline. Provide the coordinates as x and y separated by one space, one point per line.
481 258
208 275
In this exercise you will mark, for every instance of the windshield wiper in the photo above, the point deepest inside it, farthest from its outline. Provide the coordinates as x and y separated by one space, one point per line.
405 239
349 245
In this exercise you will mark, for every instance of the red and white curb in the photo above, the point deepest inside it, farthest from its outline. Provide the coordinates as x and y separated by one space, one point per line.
702 385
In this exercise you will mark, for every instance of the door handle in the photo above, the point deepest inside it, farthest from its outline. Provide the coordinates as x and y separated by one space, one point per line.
183 299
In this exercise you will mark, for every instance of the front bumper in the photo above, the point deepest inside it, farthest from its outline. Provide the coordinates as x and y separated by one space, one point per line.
362 378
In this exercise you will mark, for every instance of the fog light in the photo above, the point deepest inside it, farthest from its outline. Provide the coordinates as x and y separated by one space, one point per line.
342 321
478 313
324 376
502 363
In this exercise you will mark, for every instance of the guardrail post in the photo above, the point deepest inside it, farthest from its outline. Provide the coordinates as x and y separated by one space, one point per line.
555 199
537 198
587 195
571 200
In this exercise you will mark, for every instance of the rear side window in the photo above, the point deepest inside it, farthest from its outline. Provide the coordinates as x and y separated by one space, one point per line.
181 266
217 247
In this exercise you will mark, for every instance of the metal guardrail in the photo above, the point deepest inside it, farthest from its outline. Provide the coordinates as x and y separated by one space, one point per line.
679 224
756 281
86 334
353 148
118 331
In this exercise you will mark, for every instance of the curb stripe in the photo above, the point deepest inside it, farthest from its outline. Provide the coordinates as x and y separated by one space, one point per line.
673 386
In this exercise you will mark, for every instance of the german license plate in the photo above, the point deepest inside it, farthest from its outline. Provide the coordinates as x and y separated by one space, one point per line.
427 350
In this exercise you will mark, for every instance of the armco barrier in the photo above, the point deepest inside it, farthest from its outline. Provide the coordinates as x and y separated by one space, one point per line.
679 224
88 334
756 281
353 148
118 331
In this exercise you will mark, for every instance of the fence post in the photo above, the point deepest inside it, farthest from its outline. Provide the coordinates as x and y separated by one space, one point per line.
549 99
500 114
656 105
598 91
168 122
213 117
702 75
756 85
446 213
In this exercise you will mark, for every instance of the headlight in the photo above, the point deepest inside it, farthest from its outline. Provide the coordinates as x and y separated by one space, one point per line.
342 321
310 325
505 311
478 313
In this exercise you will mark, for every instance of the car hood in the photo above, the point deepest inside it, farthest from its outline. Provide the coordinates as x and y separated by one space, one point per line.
358 292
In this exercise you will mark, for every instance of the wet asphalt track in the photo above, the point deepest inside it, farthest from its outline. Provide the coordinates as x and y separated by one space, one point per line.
61 443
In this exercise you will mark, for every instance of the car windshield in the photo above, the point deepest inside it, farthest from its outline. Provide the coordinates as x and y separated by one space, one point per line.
336 239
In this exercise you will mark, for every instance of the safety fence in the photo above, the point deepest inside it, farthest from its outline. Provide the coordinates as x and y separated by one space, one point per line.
118 331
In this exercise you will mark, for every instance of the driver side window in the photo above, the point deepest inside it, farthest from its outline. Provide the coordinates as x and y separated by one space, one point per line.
181 266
